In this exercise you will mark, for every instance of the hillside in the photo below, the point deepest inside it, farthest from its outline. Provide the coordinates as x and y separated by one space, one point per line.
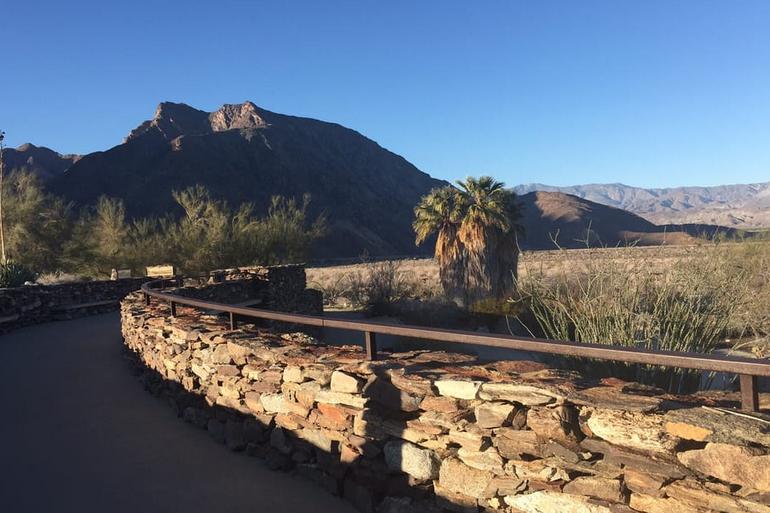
39 160
738 206
245 153
554 218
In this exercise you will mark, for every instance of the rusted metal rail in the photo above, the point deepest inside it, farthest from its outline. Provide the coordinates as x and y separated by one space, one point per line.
747 369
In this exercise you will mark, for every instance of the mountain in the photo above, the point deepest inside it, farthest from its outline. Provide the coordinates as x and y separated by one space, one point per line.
738 206
554 219
39 160
245 153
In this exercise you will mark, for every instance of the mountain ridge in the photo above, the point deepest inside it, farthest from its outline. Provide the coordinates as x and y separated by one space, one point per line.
732 205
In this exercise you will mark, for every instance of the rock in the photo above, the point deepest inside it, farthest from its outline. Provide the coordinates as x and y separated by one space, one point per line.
253 402
644 482
597 487
488 459
216 430
238 352
524 394
422 464
637 431
459 389
293 374
493 415
358 495
648 504
450 500
514 445
474 441
694 494
274 403
326 396
743 466
440 404
537 470
457 477
505 485
613 398
234 436
559 424
705 425
279 440
318 438
221 355
411 383
553 502
383 392
627 460
343 382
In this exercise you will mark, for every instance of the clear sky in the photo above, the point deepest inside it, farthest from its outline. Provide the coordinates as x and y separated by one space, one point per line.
650 93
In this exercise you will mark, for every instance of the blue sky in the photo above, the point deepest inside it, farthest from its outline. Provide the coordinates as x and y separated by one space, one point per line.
649 93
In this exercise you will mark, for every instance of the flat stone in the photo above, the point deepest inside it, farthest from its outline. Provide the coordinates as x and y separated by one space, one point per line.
705 425
327 396
743 466
422 464
473 441
649 504
505 485
493 414
347 383
413 384
537 470
637 431
383 392
457 477
644 482
293 374
553 502
517 444
449 500
597 487
528 395
559 424
459 389
440 404
697 495
488 459
612 398
274 403
615 456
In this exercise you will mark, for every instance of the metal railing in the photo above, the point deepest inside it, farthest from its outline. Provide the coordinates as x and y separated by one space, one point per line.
747 369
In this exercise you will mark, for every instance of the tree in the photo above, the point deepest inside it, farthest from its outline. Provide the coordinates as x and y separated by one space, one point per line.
440 213
476 224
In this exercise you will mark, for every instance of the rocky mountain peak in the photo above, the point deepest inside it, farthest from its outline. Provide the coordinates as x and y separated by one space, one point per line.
236 116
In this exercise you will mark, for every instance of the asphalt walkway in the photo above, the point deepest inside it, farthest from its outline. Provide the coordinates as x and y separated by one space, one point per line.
79 434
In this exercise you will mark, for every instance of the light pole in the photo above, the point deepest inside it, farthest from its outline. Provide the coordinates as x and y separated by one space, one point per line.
2 230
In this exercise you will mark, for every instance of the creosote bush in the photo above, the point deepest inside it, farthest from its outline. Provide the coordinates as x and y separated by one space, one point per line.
13 274
694 304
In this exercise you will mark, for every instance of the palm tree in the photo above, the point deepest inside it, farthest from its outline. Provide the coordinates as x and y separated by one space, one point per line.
440 213
488 231
476 247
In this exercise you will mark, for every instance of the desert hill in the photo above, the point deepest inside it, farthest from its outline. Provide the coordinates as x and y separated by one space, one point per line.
245 153
739 206
554 218
39 160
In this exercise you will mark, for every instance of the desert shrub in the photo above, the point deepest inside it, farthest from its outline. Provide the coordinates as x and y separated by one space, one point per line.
690 305
373 286
14 274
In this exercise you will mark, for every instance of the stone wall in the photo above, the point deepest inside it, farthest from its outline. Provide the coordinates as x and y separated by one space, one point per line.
35 304
426 431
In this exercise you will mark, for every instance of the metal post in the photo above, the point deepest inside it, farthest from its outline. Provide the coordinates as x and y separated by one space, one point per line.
147 299
173 309
370 339
233 322
749 393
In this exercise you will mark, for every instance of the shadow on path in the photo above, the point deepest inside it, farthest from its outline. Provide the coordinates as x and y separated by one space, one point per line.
80 434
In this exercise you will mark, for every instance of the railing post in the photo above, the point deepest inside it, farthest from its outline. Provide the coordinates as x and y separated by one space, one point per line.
147 299
749 393
370 339
173 308
233 322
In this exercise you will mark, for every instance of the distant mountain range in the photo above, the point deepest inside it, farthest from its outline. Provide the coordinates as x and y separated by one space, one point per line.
738 206
243 153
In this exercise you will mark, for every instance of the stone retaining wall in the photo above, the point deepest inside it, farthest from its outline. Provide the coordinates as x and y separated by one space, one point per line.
35 304
427 431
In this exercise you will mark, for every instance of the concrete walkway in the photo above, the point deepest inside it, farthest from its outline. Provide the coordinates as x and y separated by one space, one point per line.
78 433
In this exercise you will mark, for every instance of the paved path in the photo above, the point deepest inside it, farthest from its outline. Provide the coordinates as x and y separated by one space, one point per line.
79 434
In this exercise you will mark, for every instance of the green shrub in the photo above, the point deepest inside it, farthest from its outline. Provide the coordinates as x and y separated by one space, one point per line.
13 274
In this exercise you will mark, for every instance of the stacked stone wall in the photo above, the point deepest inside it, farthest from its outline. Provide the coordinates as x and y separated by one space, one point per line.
35 304
425 431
